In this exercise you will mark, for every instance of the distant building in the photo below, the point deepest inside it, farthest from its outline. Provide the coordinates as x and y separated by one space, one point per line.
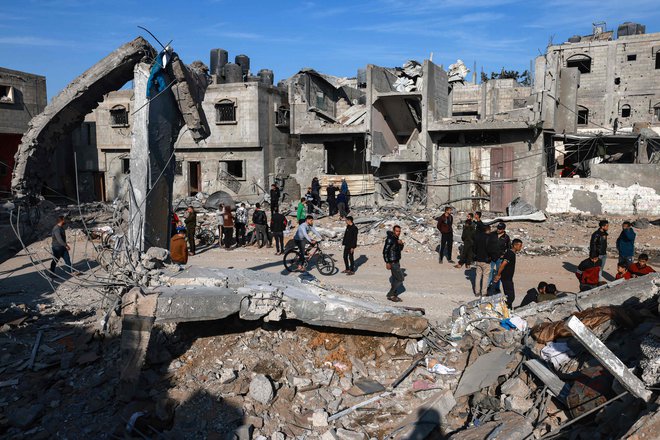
22 96
249 147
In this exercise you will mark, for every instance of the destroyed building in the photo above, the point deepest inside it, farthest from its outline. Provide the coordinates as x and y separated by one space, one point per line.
248 147
22 96
600 97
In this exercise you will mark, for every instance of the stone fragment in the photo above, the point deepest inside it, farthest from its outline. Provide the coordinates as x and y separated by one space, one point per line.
24 417
300 382
261 389
156 253
227 375
329 435
244 432
345 434
278 436
518 404
515 387
320 418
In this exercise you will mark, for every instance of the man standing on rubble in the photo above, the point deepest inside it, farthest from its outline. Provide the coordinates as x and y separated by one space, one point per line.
350 243
625 244
240 224
598 245
482 258
478 223
446 228
331 191
392 256
60 248
501 245
260 221
274 198
507 269
191 225
588 272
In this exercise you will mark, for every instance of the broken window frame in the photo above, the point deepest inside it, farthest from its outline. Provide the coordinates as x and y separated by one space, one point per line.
282 116
626 111
119 116
225 112
125 165
582 115
632 57
242 176
6 94
656 112
581 61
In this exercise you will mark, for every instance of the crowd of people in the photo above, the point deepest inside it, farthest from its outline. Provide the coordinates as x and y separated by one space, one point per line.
490 253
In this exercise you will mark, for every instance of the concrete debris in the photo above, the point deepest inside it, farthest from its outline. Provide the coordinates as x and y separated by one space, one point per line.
261 389
457 71
484 372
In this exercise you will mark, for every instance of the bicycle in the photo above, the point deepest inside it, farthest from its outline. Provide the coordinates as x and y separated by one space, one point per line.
324 262
205 235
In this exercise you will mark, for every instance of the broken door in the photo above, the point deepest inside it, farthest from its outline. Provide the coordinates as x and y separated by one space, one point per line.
194 177
99 186
501 167
459 193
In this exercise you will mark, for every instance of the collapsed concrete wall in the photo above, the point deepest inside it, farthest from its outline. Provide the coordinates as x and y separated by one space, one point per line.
67 111
597 196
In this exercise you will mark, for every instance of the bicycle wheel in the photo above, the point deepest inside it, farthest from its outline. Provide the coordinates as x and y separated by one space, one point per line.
325 264
291 260
206 237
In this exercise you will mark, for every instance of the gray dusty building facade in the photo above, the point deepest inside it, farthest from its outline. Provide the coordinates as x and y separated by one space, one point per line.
249 146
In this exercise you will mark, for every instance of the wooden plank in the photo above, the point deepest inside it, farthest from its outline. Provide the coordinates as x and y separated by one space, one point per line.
358 184
608 359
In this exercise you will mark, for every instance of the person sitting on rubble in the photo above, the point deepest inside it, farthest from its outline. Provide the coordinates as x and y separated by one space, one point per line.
300 212
625 244
178 247
507 270
191 224
588 272
532 294
622 271
549 294
641 268
468 234
302 237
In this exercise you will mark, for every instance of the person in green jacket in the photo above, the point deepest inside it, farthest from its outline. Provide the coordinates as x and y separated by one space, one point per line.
301 214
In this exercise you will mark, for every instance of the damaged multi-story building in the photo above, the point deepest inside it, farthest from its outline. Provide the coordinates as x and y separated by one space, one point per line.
22 96
600 99
249 146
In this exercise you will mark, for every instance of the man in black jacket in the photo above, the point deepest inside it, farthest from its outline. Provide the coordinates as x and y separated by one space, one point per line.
277 227
598 245
350 243
392 256
331 191
499 248
482 258
260 221
507 269
274 198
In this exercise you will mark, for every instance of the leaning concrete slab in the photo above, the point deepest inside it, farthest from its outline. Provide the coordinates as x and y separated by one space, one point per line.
67 111
608 359
189 91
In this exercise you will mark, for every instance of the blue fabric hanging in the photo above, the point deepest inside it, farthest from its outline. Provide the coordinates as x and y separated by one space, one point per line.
156 82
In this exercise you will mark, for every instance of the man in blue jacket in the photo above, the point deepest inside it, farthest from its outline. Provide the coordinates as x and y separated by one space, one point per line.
625 244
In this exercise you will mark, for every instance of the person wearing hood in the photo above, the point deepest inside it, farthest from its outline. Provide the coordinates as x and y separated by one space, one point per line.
392 256
625 244
178 247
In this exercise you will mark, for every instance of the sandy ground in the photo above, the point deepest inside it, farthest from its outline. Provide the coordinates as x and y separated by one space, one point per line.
438 288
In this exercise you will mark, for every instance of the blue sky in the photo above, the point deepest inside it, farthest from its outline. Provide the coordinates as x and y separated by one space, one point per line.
62 38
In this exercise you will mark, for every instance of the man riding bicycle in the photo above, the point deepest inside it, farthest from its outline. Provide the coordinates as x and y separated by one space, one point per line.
302 238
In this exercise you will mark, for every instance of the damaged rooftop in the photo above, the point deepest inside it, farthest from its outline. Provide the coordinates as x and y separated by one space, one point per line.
178 205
